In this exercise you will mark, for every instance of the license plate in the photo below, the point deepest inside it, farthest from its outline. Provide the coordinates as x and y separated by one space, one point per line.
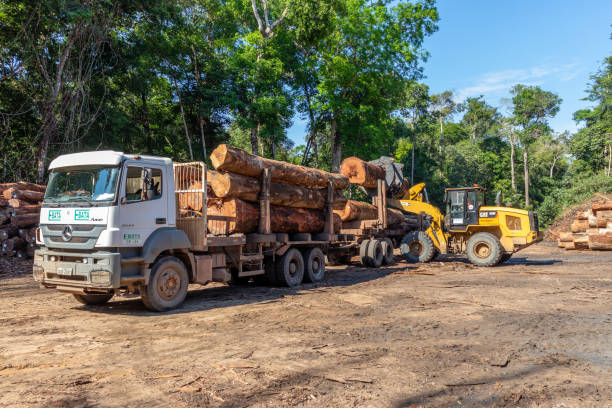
64 271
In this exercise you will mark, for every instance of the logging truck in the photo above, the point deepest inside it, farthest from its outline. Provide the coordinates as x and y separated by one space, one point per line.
114 223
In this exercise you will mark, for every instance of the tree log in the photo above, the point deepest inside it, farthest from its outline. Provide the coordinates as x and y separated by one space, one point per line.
7 194
603 218
584 215
191 201
16 203
26 209
235 160
14 243
566 237
600 242
28 195
394 217
602 206
233 215
580 226
8 231
357 210
3 202
225 185
5 215
25 220
361 172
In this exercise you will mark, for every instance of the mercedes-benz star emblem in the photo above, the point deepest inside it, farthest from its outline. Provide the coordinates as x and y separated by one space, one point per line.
67 233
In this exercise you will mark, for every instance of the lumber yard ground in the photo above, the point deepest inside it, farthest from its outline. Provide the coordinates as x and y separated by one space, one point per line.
536 332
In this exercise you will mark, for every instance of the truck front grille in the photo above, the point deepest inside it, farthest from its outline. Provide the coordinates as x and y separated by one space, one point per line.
51 275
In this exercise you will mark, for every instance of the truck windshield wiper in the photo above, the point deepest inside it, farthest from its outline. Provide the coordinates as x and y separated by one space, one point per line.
83 199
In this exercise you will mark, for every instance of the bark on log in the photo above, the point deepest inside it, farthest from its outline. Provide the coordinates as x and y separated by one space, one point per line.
235 160
8 231
23 185
28 195
357 210
225 185
16 203
394 217
566 237
361 172
600 242
584 215
231 216
3 202
26 209
25 220
603 218
191 201
580 226
14 243
602 206
5 215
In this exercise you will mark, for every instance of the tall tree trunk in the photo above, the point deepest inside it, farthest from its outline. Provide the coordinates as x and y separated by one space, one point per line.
474 135
609 159
412 164
526 167
202 136
146 124
255 139
336 146
187 136
49 127
512 165
552 168
441 135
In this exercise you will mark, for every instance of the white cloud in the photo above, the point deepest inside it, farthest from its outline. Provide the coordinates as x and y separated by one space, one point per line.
492 82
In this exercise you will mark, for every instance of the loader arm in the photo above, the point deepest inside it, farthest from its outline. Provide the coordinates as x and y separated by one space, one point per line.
435 228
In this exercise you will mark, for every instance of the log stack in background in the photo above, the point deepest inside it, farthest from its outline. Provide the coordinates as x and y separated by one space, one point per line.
591 229
297 194
19 215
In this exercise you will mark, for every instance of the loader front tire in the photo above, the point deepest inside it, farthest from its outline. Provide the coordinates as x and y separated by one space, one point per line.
418 247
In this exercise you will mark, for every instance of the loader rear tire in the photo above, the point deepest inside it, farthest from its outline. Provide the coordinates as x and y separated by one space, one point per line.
418 247
484 249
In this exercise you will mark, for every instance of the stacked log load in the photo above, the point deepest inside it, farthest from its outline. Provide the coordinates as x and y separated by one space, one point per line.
592 229
19 214
364 174
298 194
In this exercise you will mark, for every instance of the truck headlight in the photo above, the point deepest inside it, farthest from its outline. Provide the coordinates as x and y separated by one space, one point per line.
38 272
101 277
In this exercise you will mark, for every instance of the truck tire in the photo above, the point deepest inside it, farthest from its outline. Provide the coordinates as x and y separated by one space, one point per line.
484 249
290 268
418 247
92 300
363 253
387 249
167 286
375 253
314 265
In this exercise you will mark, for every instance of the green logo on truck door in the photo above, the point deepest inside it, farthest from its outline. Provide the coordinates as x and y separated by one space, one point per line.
55 215
131 238
81 215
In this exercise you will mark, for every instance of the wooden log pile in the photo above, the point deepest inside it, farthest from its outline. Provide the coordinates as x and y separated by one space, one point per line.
19 215
592 229
297 194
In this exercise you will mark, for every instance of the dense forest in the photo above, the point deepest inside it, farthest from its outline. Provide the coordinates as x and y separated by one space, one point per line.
176 78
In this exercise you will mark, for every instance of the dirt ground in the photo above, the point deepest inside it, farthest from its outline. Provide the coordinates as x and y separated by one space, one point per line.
536 332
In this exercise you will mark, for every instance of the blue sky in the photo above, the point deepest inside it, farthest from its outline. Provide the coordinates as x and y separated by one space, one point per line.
485 47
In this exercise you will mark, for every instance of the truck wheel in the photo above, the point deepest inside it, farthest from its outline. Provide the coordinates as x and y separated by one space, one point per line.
167 286
363 252
505 257
387 250
375 253
314 263
290 268
484 249
418 247
92 300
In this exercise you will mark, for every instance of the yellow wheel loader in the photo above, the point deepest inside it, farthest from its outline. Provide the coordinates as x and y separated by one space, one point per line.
488 235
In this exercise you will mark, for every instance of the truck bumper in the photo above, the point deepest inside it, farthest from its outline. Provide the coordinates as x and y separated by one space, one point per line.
77 272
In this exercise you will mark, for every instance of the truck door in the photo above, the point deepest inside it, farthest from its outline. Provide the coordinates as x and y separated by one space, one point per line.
143 203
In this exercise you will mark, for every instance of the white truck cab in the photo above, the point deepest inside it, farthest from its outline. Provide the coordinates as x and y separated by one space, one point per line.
104 215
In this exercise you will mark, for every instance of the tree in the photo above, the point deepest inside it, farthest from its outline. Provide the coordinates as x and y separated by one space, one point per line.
532 107
479 117
414 108
443 106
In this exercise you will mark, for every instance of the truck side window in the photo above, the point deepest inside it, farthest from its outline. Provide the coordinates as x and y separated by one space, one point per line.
142 184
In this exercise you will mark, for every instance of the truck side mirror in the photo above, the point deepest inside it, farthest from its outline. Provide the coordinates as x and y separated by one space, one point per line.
123 200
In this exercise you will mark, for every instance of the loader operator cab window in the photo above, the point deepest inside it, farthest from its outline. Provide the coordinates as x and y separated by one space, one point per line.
142 184
456 207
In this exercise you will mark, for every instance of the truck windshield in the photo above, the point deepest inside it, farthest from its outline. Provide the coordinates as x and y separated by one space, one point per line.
82 184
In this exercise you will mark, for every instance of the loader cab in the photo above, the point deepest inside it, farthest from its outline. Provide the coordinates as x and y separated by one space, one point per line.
462 205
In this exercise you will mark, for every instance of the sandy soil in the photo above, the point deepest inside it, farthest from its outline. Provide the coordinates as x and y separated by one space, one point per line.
536 332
